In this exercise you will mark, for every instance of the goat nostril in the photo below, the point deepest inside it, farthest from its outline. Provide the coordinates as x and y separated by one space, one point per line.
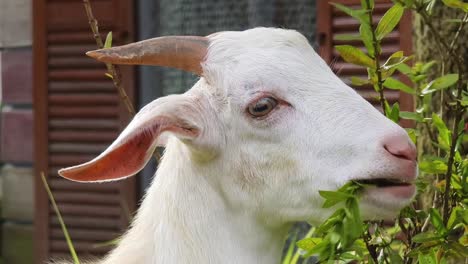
401 148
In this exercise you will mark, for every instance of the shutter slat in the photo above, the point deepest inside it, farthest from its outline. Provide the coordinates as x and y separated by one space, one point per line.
69 159
94 124
57 183
91 223
72 50
78 147
61 246
85 234
78 114
77 74
83 111
348 24
88 210
86 198
82 136
73 62
84 99
392 38
81 86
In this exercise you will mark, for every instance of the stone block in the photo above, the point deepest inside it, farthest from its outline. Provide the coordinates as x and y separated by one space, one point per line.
16 76
18 202
17 245
16 136
15 23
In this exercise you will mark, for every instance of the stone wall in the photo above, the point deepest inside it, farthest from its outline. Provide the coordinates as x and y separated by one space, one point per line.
16 132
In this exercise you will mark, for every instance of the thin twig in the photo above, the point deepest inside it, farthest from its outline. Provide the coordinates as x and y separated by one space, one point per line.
377 62
457 34
371 248
114 71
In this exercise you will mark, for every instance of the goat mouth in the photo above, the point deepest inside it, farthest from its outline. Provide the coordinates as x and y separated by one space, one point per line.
396 188
384 182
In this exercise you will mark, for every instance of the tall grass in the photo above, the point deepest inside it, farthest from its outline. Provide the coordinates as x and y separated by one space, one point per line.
73 254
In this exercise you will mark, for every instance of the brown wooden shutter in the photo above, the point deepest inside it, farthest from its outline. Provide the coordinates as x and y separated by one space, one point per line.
77 115
331 22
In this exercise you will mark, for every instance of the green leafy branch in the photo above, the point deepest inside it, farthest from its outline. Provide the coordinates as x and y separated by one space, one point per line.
338 237
420 234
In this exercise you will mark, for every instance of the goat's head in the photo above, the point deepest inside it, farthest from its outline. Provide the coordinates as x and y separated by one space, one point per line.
270 119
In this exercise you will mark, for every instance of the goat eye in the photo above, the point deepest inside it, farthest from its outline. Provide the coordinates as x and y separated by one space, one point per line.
262 107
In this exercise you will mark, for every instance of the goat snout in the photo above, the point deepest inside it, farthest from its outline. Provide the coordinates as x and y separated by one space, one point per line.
400 146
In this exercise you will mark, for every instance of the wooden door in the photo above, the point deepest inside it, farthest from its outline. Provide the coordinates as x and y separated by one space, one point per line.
78 113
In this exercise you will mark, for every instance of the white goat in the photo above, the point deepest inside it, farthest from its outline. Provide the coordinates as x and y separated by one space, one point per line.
247 149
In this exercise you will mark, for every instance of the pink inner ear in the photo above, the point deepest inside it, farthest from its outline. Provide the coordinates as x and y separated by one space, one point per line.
123 161
129 157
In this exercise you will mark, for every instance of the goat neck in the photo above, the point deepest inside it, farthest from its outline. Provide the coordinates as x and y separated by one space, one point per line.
184 219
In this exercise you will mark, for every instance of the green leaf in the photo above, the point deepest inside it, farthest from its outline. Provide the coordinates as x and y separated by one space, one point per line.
427 66
367 7
430 6
358 14
436 221
394 60
320 247
461 250
365 31
308 243
289 254
354 55
358 81
464 101
395 258
352 188
347 37
433 166
444 81
456 4
336 217
425 237
393 113
412 116
427 259
395 84
445 136
332 197
389 21
395 57
411 133
456 212
108 43
354 220
441 83
404 68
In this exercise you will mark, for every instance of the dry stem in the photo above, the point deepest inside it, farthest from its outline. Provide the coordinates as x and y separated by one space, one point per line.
113 70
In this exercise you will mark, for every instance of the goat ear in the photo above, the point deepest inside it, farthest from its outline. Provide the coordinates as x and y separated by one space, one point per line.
130 152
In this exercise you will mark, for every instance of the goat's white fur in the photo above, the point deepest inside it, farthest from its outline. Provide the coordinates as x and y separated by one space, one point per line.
230 194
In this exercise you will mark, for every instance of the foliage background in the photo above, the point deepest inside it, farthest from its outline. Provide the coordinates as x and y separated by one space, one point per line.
433 229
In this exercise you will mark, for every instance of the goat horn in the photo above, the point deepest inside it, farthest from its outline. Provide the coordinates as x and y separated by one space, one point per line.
181 52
